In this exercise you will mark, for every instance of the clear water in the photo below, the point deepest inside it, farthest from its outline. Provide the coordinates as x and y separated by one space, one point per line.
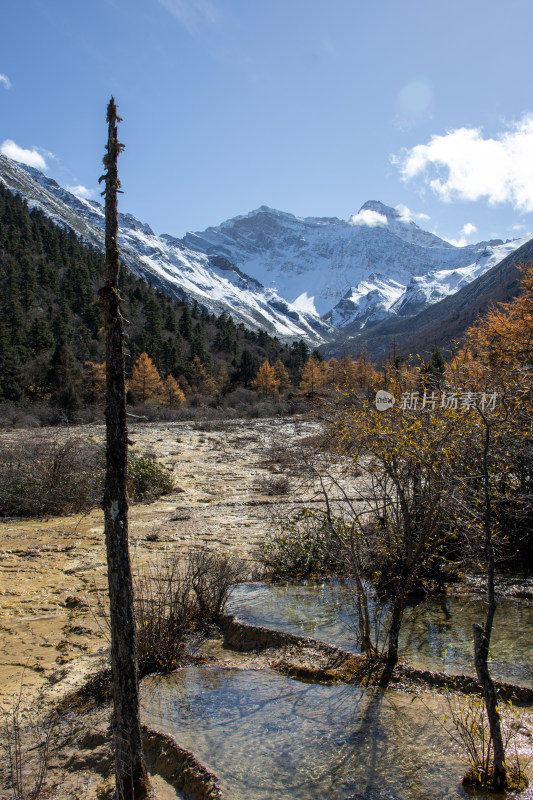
436 634
268 737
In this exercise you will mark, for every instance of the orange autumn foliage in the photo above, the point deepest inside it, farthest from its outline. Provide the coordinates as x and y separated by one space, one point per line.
145 380
505 334
172 395
93 381
265 382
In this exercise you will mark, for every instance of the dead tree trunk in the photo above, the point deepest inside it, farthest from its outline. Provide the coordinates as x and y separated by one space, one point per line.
130 772
395 623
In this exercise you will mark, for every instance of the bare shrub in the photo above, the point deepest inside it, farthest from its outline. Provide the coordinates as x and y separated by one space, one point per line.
240 400
7 415
89 415
274 485
212 577
26 739
34 416
295 458
165 613
174 599
49 476
60 475
278 457
211 426
195 409
473 740
268 408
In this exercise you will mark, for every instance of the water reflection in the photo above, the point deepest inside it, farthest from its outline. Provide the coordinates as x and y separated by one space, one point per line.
267 736
437 633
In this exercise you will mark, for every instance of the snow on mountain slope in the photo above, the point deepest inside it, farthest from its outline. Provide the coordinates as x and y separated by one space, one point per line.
377 263
379 297
276 271
368 302
212 281
424 290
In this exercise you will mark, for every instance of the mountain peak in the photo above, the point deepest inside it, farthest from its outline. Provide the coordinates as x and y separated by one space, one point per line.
378 263
398 222
375 210
374 214
380 208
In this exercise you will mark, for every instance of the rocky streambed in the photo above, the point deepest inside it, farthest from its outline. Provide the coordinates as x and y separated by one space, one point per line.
228 484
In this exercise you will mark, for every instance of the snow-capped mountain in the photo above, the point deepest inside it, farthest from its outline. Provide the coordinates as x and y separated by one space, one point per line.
294 277
378 296
167 263
443 323
435 285
376 264
368 303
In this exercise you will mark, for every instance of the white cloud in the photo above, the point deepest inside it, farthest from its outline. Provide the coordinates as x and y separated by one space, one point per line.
464 165
518 228
5 82
30 157
466 231
406 215
458 242
368 217
81 191
193 14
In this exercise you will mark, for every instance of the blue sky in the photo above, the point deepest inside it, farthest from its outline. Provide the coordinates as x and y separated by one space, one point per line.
308 106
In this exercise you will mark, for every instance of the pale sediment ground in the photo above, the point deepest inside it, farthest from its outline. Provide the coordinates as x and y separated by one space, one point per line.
51 569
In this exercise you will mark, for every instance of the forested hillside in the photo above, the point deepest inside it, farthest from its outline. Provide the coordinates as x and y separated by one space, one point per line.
51 343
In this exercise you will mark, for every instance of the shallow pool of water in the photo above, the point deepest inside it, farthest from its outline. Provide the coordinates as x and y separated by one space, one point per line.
436 635
268 737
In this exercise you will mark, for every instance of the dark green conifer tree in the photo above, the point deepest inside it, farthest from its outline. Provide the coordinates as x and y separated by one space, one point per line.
185 323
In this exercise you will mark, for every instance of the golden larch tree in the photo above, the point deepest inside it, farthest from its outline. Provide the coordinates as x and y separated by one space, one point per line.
198 375
363 371
342 372
223 380
211 387
93 382
282 375
184 385
171 394
504 336
265 382
145 380
315 375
